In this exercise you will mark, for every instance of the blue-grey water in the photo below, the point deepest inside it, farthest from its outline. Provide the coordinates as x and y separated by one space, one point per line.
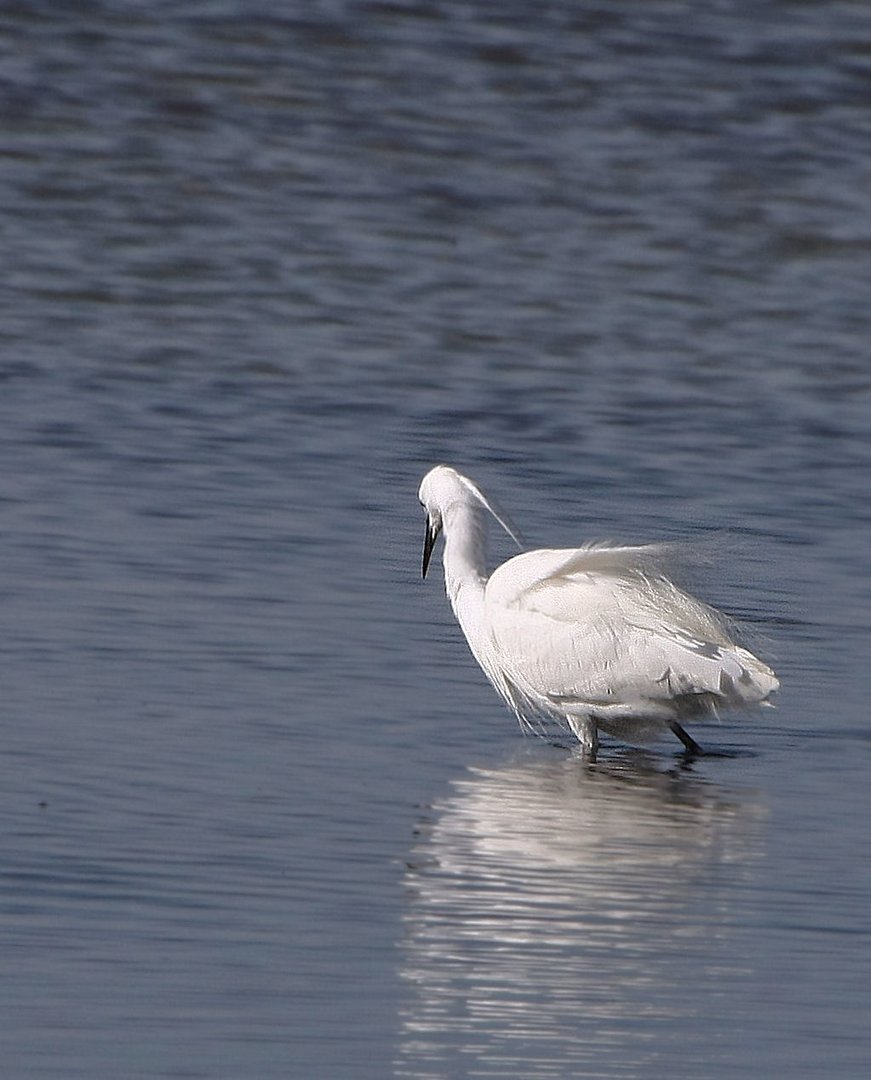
262 265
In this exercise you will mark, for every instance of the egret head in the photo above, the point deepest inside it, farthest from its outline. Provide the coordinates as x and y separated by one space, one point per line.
437 490
441 488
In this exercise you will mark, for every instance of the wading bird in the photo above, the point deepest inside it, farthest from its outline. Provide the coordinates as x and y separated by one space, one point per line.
597 637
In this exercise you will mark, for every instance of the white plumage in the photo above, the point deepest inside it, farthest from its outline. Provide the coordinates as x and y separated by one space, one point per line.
597 637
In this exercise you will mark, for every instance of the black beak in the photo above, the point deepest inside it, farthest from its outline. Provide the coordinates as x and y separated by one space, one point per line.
429 539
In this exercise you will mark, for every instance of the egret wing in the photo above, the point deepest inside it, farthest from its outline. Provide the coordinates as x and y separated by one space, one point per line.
534 569
601 629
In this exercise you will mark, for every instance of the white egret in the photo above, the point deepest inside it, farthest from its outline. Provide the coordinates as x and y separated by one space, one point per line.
597 636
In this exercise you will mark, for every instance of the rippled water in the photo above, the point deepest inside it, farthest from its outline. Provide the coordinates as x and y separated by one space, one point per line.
263 264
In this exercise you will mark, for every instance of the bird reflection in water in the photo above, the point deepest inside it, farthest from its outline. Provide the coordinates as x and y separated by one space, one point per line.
569 919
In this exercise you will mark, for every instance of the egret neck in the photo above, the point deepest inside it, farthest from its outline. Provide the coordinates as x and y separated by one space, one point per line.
465 563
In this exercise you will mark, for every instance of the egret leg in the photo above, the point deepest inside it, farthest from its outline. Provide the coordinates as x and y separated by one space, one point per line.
689 742
587 734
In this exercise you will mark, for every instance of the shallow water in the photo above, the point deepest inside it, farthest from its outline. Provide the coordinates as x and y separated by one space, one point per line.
262 816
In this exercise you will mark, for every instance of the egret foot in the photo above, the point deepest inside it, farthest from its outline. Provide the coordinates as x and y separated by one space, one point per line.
692 747
587 734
